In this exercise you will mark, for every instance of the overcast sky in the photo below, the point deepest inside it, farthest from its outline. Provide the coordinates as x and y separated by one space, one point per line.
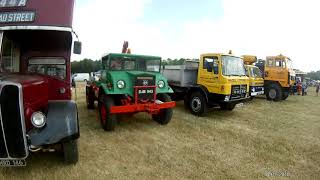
187 28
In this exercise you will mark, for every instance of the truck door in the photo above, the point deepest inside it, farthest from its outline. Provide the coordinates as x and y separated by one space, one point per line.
209 73
281 73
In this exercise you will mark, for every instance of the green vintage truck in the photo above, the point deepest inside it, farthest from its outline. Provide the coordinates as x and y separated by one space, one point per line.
129 84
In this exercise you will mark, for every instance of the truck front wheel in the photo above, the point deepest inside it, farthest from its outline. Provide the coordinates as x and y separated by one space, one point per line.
70 152
274 92
164 116
198 104
108 121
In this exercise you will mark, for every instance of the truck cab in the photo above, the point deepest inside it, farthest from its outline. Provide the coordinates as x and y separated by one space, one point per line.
130 84
216 80
278 76
256 81
37 113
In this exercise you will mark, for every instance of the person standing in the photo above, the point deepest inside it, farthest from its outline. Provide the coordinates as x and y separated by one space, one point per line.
317 88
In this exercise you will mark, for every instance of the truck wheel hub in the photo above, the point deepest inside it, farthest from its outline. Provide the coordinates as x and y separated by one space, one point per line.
196 104
272 93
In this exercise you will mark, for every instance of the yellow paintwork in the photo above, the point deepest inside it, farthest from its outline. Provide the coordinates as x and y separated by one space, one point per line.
218 83
276 72
254 81
249 59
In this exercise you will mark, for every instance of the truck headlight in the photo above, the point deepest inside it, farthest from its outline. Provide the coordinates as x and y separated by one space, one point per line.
161 84
38 119
226 98
120 84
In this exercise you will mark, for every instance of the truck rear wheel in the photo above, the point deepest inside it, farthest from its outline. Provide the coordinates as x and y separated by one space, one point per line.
198 104
89 98
227 106
274 92
164 116
108 121
70 152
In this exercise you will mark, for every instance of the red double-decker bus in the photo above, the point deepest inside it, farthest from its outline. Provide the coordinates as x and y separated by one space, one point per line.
36 110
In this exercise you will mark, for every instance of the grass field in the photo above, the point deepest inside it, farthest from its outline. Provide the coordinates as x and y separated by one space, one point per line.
258 140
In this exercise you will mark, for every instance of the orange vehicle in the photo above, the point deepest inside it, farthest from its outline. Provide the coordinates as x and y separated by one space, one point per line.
278 76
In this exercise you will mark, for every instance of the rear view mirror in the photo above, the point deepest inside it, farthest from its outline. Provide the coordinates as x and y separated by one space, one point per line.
77 47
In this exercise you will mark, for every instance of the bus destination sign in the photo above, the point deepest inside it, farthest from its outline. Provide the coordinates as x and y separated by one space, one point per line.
13 3
11 17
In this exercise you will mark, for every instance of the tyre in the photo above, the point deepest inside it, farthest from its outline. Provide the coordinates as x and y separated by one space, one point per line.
198 104
285 95
89 98
227 106
164 116
274 92
108 121
70 152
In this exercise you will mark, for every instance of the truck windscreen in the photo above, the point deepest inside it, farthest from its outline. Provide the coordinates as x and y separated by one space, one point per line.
256 73
232 66
133 64
54 67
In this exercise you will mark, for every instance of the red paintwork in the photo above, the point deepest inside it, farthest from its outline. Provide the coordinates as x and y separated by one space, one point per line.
151 108
48 12
39 89
35 92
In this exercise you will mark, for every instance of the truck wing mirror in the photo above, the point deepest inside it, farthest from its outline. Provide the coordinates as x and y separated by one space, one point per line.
77 47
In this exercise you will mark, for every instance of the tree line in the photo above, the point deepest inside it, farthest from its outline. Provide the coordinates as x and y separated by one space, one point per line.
89 65
315 75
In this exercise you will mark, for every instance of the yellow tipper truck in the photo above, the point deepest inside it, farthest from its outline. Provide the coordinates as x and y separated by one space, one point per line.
256 81
216 80
278 76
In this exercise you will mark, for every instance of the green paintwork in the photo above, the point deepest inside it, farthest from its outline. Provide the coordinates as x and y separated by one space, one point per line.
113 76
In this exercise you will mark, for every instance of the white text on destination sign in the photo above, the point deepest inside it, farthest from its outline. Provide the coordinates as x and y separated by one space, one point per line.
17 17
12 3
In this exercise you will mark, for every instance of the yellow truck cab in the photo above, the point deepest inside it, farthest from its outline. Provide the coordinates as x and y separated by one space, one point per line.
278 76
256 81
216 80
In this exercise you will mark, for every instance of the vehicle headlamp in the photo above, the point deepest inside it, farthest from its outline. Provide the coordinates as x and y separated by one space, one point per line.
38 119
120 84
161 84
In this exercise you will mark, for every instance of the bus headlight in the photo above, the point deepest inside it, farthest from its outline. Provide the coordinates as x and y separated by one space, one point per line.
161 84
120 84
38 119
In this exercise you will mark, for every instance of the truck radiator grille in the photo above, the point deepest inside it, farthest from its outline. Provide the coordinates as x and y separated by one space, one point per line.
238 91
12 128
145 89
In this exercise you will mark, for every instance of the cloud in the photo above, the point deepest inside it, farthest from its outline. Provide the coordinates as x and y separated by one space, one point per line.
264 27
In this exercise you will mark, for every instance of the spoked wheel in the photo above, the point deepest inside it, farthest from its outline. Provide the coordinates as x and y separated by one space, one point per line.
108 121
